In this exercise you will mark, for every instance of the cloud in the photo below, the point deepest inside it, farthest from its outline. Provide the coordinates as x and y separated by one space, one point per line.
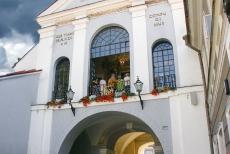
4 65
18 28
3 60
15 46
19 15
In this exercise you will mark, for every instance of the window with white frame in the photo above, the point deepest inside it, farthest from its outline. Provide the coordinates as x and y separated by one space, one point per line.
227 113
61 81
163 65
221 139
110 62
215 145
207 22
226 132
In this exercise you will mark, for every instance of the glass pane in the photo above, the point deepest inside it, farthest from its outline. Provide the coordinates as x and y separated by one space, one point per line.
114 39
61 79
110 41
163 65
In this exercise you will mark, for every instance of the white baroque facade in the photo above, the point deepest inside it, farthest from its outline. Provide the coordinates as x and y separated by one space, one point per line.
175 120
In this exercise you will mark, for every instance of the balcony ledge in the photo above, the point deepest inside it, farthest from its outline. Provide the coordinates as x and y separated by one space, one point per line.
131 99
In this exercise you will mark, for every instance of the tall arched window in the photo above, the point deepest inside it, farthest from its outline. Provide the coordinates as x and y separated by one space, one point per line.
61 82
163 65
110 54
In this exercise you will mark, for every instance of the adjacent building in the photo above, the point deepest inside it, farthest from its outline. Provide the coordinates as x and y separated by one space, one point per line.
208 33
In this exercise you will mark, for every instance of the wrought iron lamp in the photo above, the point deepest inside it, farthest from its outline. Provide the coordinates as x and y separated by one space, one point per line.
70 94
138 86
227 8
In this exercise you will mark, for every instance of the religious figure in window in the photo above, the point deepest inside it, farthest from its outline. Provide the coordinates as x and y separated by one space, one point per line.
109 57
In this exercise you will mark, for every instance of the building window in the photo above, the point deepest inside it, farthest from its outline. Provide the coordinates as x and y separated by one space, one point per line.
61 82
227 8
215 145
109 61
227 119
163 65
221 139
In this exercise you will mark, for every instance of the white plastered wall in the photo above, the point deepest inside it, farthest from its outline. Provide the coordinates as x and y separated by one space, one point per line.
189 126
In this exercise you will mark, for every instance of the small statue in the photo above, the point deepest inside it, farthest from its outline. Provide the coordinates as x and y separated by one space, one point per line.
95 87
120 84
127 83
112 81
103 87
120 87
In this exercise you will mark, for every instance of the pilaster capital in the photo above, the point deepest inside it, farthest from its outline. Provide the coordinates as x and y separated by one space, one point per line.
138 11
80 23
137 2
47 31
176 4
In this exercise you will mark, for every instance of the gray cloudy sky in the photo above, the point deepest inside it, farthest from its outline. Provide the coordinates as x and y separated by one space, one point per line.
19 15
18 28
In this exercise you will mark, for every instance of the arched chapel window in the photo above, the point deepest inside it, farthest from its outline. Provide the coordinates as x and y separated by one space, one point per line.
109 58
61 82
163 65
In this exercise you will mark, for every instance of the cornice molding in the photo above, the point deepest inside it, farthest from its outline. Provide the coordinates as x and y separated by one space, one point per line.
91 10
47 32
138 8
88 9
176 4
80 23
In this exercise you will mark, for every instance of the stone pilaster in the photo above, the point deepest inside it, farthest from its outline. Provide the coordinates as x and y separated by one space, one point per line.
78 76
44 61
140 48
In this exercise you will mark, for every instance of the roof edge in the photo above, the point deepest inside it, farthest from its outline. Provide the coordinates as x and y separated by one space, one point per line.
20 73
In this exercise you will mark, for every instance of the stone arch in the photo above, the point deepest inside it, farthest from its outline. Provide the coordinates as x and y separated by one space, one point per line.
161 40
70 133
109 47
104 27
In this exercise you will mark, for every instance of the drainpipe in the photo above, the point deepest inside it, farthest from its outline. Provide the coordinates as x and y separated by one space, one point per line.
187 42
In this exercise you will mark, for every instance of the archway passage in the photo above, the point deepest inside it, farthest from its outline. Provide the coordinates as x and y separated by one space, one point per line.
138 143
109 56
113 133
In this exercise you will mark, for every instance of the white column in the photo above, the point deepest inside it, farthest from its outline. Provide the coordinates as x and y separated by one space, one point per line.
44 60
78 77
40 132
140 48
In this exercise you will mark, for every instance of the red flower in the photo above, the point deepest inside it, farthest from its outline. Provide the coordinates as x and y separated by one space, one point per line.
105 98
155 92
124 96
85 101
